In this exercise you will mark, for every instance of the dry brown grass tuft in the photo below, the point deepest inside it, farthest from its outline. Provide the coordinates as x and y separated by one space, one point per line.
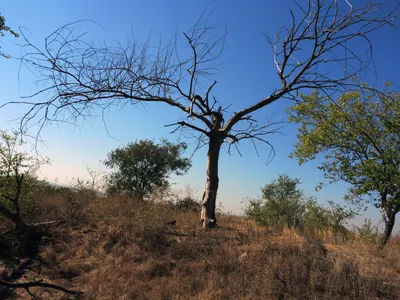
116 248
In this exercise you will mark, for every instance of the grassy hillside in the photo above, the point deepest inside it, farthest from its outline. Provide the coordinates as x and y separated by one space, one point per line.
115 248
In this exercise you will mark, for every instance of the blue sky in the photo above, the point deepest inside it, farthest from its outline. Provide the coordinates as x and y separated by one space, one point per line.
246 74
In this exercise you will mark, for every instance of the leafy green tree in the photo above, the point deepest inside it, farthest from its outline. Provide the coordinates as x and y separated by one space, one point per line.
5 29
281 204
143 166
359 137
17 179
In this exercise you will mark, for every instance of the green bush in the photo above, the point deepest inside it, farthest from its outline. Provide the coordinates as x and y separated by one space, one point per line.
367 233
315 216
284 205
318 217
281 204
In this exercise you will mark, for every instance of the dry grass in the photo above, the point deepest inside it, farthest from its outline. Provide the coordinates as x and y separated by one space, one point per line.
116 248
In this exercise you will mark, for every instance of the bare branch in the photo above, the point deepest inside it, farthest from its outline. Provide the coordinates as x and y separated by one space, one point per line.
185 124
326 35
80 77
254 132
27 285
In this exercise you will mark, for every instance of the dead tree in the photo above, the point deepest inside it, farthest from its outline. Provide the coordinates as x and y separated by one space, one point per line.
80 77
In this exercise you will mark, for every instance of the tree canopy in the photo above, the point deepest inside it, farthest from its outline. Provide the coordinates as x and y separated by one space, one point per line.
359 137
143 166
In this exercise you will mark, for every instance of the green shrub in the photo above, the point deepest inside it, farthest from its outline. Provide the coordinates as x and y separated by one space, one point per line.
315 215
281 204
284 205
367 233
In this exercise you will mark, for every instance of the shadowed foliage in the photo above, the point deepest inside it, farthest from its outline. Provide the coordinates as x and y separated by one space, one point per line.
17 179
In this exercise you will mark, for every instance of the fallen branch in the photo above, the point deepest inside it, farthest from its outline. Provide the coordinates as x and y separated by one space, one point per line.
27 285
55 222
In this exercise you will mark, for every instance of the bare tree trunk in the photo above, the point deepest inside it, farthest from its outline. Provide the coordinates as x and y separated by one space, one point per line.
389 224
208 218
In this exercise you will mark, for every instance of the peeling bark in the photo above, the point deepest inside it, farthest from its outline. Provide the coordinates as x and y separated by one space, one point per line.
390 219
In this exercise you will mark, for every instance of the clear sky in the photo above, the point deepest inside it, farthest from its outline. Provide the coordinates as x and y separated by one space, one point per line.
246 74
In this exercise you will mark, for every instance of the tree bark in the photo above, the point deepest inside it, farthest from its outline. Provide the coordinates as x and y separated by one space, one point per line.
390 218
208 218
